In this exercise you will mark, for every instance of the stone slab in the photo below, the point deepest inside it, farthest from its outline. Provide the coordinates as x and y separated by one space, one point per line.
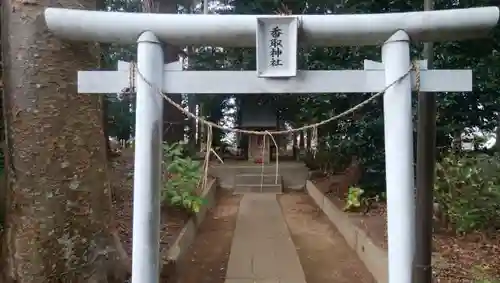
262 249
257 188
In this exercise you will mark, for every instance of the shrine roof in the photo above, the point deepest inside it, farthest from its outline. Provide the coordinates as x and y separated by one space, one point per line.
258 116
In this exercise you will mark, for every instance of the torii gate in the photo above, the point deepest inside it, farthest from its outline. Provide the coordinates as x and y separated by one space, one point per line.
276 40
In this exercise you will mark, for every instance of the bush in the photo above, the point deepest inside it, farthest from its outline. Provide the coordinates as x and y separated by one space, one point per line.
467 191
181 178
327 161
357 200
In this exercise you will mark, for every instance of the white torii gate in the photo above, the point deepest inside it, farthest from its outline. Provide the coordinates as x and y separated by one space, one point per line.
276 40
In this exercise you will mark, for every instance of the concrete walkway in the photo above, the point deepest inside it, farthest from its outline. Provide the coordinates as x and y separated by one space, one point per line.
262 250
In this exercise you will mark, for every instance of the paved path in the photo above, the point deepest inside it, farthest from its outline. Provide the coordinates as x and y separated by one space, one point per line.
262 250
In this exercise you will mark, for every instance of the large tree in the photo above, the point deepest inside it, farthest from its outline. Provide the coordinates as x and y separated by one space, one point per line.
58 215
2 180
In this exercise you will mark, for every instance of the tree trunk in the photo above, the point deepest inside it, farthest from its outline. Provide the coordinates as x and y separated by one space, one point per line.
457 142
192 98
201 129
101 6
192 122
308 141
105 125
173 119
59 214
497 134
301 140
192 108
2 149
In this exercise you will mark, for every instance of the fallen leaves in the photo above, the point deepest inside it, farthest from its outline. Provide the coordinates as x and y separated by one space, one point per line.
468 258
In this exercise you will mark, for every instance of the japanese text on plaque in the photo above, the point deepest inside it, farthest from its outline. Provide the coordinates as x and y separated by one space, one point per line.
276 47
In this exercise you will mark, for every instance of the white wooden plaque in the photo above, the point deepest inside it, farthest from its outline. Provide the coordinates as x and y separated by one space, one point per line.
277 46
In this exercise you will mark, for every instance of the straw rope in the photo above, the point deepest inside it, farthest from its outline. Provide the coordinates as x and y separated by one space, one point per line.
135 70
210 125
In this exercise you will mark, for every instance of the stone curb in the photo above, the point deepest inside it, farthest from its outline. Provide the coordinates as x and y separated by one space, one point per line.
188 233
375 258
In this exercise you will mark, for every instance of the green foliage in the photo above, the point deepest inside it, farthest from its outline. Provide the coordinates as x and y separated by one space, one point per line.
182 175
353 200
327 160
467 191
357 200
483 273
360 134
120 118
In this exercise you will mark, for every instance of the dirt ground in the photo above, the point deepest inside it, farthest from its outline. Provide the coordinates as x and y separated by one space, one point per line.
122 181
456 258
207 258
375 226
323 252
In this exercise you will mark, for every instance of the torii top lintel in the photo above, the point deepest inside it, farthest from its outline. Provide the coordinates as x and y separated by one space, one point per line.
240 30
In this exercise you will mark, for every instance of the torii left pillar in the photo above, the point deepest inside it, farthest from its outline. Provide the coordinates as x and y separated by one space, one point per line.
147 163
398 132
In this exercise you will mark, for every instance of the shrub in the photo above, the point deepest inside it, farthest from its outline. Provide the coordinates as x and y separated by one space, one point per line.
354 199
357 200
181 178
327 161
467 191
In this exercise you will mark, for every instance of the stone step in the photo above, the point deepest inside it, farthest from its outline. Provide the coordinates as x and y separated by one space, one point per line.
253 188
257 179
268 169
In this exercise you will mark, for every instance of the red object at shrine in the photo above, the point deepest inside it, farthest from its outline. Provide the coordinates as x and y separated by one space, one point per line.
258 160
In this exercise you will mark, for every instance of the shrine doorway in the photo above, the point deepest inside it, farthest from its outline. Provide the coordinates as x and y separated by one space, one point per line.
259 149
257 115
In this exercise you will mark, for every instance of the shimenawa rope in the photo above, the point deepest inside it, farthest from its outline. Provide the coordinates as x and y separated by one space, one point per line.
134 70
414 67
